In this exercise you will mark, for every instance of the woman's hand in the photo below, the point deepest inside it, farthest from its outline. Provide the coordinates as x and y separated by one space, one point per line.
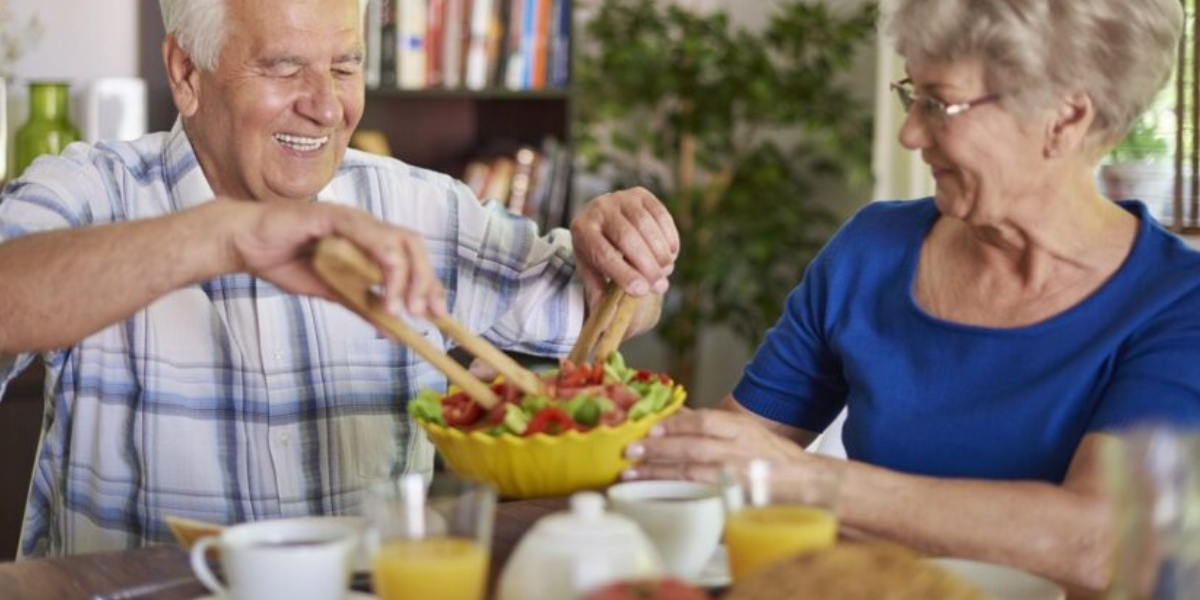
695 443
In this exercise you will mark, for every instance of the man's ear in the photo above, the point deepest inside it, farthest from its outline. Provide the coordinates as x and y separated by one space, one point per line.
183 76
1072 120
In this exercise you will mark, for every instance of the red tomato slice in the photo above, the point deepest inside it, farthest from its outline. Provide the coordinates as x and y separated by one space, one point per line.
614 417
507 392
551 420
460 410
622 396
572 375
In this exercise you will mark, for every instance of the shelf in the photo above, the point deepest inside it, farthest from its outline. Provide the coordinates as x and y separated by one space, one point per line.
465 94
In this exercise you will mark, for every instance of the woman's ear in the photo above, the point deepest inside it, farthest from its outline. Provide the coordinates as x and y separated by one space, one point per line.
1073 118
182 76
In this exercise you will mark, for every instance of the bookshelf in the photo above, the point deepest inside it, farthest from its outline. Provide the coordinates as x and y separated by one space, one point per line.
443 130
478 89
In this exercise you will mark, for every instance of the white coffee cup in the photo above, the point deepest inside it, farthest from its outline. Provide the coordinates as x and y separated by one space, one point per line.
682 518
287 559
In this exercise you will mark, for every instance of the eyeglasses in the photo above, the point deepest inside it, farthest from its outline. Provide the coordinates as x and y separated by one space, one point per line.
932 110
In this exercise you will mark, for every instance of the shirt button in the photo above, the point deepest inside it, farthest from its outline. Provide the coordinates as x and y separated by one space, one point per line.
284 438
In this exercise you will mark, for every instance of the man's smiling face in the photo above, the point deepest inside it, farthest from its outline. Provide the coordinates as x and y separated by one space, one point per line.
274 118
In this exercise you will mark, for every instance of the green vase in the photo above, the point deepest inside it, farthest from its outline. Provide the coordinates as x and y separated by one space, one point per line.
49 128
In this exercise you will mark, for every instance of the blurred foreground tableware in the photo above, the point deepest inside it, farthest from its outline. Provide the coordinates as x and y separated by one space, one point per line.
772 512
189 531
1001 582
682 518
287 559
855 571
648 589
430 543
1153 474
569 554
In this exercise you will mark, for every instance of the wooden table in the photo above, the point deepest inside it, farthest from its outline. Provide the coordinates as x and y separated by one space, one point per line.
83 576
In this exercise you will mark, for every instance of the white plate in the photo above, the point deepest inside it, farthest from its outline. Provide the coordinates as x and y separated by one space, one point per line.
349 596
716 573
1000 582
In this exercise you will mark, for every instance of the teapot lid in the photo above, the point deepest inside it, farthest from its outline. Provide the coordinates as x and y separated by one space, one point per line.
587 519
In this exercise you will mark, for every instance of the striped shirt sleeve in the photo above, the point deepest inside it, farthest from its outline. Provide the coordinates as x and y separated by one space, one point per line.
518 288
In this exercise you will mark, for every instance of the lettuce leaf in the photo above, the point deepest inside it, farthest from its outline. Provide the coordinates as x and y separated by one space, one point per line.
655 397
515 419
615 370
427 406
586 409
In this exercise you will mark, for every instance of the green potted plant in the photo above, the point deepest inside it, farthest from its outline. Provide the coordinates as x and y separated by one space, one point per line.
734 130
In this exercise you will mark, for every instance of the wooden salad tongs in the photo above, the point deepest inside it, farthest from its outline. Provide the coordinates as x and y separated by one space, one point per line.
605 328
343 267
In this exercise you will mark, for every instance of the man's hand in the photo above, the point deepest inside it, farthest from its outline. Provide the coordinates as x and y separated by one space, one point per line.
628 237
275 240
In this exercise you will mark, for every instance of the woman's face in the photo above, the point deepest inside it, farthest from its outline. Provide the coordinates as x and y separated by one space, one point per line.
987 164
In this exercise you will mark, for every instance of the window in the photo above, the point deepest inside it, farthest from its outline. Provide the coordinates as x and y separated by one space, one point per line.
1158 161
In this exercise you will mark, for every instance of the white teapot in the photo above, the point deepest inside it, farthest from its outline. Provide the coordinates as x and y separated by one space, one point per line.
568 554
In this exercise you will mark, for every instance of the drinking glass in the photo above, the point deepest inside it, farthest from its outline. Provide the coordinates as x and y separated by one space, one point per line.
430 543
773 511
1154 479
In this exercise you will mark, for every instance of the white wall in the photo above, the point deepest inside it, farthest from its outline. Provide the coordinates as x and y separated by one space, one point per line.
82 39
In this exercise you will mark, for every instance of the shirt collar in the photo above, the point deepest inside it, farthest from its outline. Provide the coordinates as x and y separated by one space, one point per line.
188 185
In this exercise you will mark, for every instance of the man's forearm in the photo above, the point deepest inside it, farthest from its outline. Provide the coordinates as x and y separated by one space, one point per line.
1052 530
61 286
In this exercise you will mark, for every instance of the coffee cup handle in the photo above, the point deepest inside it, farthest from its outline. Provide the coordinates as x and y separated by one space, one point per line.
200 566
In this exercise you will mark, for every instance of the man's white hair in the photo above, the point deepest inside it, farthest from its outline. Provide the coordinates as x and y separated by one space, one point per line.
199 27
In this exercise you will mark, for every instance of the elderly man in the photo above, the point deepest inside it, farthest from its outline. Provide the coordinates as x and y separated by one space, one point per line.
196 365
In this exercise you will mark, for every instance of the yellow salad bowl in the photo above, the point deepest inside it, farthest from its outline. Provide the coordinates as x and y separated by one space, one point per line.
544 465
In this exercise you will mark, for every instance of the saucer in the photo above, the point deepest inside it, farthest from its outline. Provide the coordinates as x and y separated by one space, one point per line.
351 595
1000 582
715 574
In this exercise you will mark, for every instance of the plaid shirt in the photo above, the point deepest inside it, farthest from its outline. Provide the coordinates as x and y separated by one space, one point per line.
232 401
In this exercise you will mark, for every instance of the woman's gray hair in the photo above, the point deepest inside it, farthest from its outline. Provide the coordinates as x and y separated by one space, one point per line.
199 27
1118 52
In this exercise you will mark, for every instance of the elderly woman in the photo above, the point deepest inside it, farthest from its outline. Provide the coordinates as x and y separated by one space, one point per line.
988 340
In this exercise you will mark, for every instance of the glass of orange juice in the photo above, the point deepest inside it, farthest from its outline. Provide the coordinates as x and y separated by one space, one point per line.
430 542
773 511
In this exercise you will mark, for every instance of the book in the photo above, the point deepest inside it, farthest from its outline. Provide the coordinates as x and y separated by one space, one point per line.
558 195
435 31
497 31
522 180
476 177
500 178
410 53
477 59
373 36
372 141
453 41
540 46
513 64
560 45
387 43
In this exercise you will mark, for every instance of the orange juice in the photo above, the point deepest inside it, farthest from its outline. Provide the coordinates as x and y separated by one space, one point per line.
759 536
431 569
